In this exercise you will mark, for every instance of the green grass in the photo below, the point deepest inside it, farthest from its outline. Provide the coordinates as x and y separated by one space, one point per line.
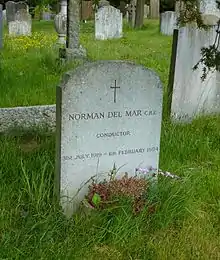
31 78
186 224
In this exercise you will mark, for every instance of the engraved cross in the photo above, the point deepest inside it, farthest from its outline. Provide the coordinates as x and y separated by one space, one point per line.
115 88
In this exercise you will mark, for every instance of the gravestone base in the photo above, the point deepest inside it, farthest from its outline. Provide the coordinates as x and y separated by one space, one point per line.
76 53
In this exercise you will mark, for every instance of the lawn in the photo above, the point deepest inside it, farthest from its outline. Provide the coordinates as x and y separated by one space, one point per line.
186 222
29 75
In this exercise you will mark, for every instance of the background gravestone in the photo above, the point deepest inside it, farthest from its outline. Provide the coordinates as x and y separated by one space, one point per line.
191 96
209 11
12 8
168 22
108 113
108 23
21 25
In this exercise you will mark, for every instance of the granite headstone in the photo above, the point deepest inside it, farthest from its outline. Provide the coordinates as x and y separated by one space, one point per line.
18 18
108 23
210 12
168 22
108 114
12 8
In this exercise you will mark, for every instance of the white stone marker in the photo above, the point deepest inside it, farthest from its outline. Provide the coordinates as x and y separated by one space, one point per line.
108 113
108 23
168 22
209 11
191 96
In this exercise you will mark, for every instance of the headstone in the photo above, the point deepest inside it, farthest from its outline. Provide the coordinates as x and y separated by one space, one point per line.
122 8
21 25
210 12
1 26
154 9
168 23
146 11
12 8
108 23
108 116
191 96
18 18
131 13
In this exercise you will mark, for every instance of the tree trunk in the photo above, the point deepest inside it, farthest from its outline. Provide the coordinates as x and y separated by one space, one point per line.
139 17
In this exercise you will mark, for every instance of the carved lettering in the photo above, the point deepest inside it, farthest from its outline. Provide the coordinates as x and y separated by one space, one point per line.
114 114
86 116
124 152
111 114
133 113
113 134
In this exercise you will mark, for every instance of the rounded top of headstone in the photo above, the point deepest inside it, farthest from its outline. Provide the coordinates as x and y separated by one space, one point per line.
105 69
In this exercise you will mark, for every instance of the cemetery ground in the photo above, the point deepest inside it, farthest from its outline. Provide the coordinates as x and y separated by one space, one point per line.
186 217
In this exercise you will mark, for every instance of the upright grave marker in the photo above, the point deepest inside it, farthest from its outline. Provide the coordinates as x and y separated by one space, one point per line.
191 96
168 22
108 114
108 23
18 18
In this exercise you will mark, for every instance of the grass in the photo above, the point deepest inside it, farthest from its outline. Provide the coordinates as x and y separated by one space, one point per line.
30 78
187 218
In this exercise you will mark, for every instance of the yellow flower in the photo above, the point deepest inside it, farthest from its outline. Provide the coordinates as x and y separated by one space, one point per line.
35 41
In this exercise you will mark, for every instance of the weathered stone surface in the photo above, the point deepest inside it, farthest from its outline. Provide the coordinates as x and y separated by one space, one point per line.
210 12
27 118
131 13
108 113
76 53
73 46
18 18
18 28
191 96
12 8
4 15
168 22
108 23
